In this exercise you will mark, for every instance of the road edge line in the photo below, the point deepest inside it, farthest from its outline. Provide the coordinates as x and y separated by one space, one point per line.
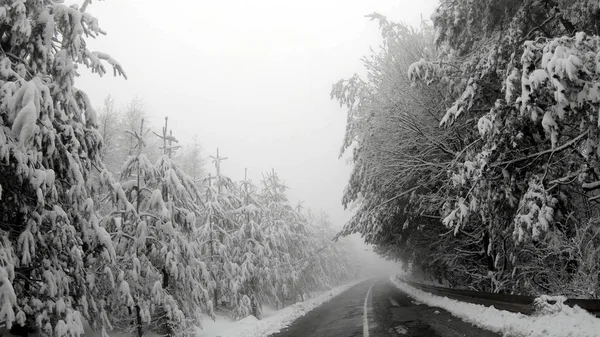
366 313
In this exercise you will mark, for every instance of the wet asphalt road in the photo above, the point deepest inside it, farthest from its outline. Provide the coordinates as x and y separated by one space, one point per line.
390 313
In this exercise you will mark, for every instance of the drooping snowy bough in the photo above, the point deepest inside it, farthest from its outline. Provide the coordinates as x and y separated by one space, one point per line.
527 91
475 145
52 248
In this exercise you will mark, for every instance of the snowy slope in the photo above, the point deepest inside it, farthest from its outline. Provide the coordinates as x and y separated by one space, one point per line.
277 320
569 322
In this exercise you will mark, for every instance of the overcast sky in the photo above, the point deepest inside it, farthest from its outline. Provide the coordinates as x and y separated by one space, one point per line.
250 77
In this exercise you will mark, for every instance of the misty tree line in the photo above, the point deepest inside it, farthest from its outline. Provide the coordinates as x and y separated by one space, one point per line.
475 144
104 221
209 241
115 125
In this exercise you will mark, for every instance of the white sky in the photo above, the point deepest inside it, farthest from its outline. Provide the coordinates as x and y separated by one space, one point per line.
250 77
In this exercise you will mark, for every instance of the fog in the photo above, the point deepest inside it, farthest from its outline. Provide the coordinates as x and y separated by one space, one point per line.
249 77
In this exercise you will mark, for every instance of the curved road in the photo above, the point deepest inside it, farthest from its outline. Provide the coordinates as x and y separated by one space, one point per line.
376 308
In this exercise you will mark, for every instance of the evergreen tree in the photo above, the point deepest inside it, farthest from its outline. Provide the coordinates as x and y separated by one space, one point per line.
284 235
162 279
251 253
109 120
52 246
191 161
216 232
332 261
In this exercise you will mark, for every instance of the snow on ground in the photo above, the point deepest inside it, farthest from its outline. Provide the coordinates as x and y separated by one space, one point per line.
272 322
569 322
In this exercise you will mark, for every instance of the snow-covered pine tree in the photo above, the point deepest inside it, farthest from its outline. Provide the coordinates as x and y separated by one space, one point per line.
218 225
307 245
133 115
109 126
161 278
187 276
331 261
50 239
251 253
285 237
275 231
114 124
321 260
304 256
191 161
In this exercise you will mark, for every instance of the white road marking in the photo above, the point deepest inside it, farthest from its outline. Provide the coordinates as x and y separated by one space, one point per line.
366 314
394 303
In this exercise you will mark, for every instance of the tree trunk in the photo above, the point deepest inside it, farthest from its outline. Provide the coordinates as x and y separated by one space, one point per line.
216 296
167 324
489 256
138 313
255 307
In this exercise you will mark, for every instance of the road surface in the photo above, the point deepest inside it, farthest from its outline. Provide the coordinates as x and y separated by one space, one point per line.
376 308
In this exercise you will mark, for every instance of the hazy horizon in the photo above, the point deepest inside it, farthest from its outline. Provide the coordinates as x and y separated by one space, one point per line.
252 79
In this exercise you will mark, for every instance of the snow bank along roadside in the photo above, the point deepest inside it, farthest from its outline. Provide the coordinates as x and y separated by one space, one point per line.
569 322
251 327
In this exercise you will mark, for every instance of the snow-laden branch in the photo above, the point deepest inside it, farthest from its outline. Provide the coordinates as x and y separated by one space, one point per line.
591 186
541 153
84 6
117 68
